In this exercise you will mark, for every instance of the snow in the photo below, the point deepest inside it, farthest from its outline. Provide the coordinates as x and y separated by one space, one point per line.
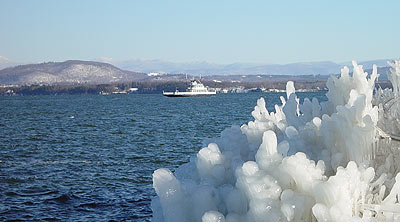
329 161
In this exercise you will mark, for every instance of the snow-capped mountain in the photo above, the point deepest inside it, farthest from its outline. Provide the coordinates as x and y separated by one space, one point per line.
206 68
71 71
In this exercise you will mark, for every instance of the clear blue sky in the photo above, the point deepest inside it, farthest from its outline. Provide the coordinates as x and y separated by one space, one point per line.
214 31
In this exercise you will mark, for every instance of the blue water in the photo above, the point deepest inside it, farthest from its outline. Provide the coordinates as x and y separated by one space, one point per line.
91 157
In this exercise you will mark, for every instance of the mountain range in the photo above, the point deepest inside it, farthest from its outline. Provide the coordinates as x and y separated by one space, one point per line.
95 72
5 62
206 68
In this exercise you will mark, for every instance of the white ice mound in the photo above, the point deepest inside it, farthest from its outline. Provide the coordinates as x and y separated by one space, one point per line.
304 162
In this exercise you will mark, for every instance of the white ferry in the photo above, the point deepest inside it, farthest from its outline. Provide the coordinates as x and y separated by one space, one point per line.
196 88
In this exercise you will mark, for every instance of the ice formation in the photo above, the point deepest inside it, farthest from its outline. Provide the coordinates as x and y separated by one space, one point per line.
330 161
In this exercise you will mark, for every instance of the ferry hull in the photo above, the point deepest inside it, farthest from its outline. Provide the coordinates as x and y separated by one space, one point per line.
188 94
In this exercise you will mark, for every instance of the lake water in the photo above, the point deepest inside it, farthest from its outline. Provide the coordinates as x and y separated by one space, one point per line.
91 157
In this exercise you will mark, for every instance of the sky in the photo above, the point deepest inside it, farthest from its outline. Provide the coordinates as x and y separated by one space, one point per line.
186 31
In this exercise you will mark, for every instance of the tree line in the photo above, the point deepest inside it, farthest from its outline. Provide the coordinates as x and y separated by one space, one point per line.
155 87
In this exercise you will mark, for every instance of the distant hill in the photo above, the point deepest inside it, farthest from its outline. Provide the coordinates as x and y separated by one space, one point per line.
369 64
206 68
90 72
5 62
68 72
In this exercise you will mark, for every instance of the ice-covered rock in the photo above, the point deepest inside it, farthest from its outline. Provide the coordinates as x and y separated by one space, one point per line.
328 161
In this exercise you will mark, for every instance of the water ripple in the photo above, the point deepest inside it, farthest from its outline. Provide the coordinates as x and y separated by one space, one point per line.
90 158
